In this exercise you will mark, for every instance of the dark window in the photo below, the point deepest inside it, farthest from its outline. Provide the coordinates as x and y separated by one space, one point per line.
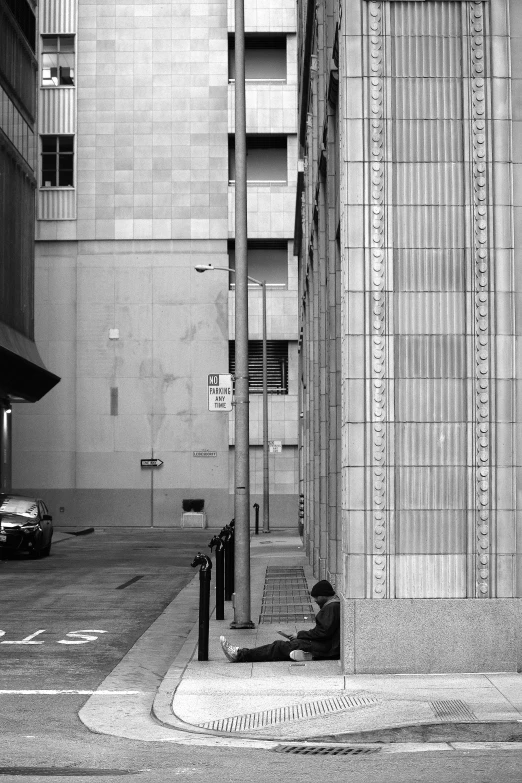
57 161
16 247
17 66
25 19
267 260
277 365
266 158
265 57
58 60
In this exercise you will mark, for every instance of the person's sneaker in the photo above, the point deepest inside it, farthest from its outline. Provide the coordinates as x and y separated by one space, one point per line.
301 655
229 650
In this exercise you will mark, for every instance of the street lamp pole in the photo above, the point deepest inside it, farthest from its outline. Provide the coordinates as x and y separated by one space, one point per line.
266 494
266 484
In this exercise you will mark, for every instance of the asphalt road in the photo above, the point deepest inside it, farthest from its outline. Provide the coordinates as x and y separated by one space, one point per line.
67 620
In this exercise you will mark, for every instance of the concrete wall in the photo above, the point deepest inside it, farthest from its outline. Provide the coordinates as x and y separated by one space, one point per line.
121 314
172 331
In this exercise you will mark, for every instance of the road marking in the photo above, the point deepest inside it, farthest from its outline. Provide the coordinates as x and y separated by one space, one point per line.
49 692
130 582
76 637
80 637
27 639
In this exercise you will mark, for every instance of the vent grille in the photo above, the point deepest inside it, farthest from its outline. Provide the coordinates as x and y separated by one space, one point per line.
253 41
277 365
325 750
260 141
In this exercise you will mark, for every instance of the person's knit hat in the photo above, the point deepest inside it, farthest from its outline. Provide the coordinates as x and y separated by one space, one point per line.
322 588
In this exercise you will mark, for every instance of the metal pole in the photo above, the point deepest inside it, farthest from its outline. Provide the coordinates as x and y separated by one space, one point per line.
266 486
256 512
220 583
5 446
205 571
242 457
220 575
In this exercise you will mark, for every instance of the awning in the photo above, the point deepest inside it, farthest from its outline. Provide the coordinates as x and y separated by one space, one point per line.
22 372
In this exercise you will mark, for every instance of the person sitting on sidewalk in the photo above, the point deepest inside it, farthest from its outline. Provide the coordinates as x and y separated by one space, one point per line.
320 642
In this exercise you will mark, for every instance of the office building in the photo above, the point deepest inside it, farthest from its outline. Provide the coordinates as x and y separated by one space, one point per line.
135 188
409 244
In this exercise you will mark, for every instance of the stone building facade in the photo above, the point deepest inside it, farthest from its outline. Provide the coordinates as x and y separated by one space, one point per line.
23 375
409 249
135 188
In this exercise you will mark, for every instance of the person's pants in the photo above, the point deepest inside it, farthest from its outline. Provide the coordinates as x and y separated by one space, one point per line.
277 651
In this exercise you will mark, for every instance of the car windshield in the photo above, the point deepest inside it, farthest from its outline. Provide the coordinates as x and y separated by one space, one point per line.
24 507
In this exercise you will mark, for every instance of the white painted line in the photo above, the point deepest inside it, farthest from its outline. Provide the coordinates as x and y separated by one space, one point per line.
27 639
60 692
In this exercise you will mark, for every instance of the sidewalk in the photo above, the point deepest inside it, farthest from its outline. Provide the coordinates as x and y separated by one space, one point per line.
313 700
262 705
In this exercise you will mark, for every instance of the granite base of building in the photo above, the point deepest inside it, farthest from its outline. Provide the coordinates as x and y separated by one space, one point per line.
428 636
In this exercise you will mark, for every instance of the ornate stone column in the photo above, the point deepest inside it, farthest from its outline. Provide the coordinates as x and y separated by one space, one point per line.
420 108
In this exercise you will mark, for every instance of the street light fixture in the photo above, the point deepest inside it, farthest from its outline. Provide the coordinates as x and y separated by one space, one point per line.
266 488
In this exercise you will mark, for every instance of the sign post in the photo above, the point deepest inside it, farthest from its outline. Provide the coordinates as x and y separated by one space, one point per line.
220 393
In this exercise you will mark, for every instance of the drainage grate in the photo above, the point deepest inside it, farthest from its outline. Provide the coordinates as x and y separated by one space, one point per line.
285 596
325 750
295 712
61 771
452 709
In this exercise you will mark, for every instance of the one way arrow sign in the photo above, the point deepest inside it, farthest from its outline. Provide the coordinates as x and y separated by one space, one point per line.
151 463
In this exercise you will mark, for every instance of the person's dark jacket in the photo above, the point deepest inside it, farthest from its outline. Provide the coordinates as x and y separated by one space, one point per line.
325 637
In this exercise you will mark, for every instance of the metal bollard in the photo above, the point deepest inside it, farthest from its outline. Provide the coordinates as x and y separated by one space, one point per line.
226 536
256 509
220 576
205 571
232 545
301 514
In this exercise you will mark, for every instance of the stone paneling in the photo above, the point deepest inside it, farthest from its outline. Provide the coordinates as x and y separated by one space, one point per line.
424 97
430 636
152 120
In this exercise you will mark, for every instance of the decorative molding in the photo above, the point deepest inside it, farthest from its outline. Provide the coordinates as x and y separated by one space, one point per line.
377 316
427 1
482 435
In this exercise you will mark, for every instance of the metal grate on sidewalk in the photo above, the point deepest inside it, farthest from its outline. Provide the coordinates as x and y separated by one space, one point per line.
294 712
325 750
452 710
285 596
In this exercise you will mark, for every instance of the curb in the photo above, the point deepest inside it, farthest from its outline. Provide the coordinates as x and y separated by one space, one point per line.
445 733
469 731
477 732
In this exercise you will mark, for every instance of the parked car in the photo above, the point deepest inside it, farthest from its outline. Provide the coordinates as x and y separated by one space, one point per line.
25 526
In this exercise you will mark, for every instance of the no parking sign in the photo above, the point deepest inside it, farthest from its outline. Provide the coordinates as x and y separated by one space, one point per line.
220 392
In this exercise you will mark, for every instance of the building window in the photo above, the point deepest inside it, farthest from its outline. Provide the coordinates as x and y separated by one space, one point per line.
265 58
277 365
58 60
266 159
25 18
57 161
267 260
